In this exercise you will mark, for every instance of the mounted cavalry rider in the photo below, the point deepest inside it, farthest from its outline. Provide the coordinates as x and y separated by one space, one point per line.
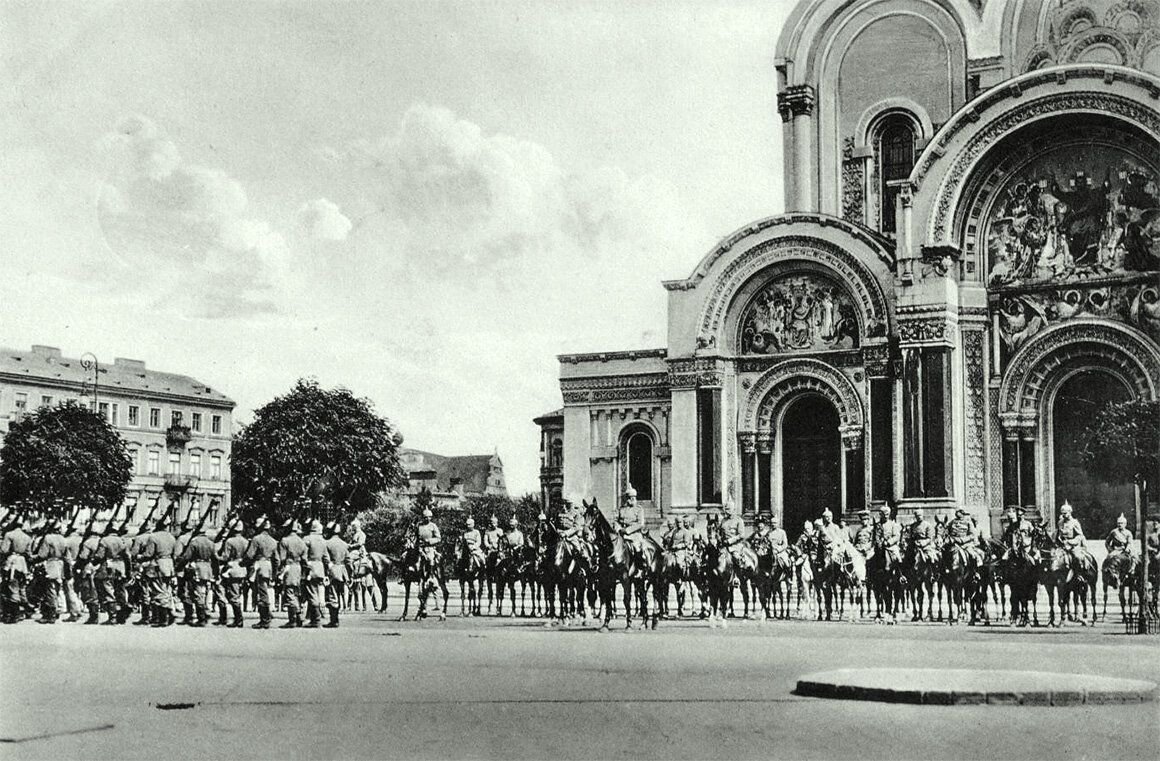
358 538
830 537
428 538
1071 538
1119 539
681 540
888 535
778 541
1018 534
631 520
671 526
732 530
513 540
922 537
965 535
471 543
570 530
759 540
492 536
864 534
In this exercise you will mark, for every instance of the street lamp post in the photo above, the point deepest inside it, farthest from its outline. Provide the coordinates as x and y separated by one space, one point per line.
89 362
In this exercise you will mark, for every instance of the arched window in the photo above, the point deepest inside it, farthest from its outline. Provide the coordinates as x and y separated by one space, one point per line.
639 468
556 454
896 141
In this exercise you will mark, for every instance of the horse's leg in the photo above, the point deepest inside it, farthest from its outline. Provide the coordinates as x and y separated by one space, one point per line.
406 598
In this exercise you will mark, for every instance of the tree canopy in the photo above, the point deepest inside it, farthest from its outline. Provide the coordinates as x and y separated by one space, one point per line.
68 453
326 446
1122 442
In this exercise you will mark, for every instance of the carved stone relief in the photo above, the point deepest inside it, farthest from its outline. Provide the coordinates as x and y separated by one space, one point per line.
799 313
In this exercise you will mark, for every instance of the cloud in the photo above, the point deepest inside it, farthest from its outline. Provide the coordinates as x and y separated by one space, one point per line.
324 220
187 225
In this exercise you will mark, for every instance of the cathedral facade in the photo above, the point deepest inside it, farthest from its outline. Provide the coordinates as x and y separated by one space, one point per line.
969 265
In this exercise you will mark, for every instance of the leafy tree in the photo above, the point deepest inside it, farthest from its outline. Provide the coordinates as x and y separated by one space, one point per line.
1122 443
66 452
323 445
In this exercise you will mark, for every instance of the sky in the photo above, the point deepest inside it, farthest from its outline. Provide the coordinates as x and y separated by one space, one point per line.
423 202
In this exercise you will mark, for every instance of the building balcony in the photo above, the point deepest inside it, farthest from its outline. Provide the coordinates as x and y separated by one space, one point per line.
177 436
176 482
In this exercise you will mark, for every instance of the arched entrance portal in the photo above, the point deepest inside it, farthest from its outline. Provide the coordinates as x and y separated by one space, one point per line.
1096 503
811 451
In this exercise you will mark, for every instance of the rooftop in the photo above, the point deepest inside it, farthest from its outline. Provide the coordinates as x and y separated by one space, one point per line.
45 363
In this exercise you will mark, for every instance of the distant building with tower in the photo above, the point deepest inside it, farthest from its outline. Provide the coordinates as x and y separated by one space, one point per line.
450 479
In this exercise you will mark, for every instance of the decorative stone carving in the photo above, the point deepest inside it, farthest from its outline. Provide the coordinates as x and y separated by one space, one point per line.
864 289
748 441
616 388
695 372
1078 32
1075 215
799 313
853 184
1080 343
795 100
790 377
939 261
876 359
1105 103
975 413
848 358
924 330
1024 314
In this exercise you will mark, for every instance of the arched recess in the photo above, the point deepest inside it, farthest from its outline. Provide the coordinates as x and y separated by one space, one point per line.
729 278
637 462
764 453
940 177
1029 387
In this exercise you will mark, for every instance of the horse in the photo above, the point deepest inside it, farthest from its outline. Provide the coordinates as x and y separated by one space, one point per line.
469 569
960 573
773 579
676 572
803 580
851 579
925 576
1063 579
564 574
618 562
836 570
517 565
719 578
884 577
1021 573
416 567
1121 571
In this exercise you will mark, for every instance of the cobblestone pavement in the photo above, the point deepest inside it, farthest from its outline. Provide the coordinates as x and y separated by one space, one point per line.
488 687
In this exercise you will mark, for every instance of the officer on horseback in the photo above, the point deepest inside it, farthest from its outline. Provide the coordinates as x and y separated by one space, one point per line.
864 535
570 530
830 537
513 541
732 530
1070 536
681 540
472 542
492 537
778 541
965 535
922 536
759 540
631 520
429 537
1119 539
888 535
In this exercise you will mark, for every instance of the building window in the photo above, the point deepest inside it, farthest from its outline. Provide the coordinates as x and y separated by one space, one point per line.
134 461
709 444
154 462
134 415
896 139
21 401
639 468
195 465
556 454
215 467
174 465
115 414
46 401
216 424
195 421
154 417
175 418
103 410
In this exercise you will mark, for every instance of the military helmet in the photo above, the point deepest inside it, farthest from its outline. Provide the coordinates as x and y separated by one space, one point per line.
514 522
827 514
470 522
315 527
494 519
1121 521
918 513
885 510
427 512
630 492
541 517
1065 508
864 513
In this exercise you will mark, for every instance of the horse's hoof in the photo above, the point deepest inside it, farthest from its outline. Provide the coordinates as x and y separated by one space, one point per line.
603 629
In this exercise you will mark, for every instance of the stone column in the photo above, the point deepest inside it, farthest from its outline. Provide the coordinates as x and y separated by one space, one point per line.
684 447
796 106
748 445
764 481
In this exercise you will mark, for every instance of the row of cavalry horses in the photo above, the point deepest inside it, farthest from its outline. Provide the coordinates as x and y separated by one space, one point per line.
567 586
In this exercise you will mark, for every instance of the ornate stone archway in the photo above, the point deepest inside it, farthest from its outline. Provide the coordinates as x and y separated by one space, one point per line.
761 448
1028 388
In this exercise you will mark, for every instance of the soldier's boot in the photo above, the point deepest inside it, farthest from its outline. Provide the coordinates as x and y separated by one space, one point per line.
221 619
187 609
146 615
237 622
311 616
200 617
161 616
263 618
333 623
94 613
291 622
123 614
115 617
